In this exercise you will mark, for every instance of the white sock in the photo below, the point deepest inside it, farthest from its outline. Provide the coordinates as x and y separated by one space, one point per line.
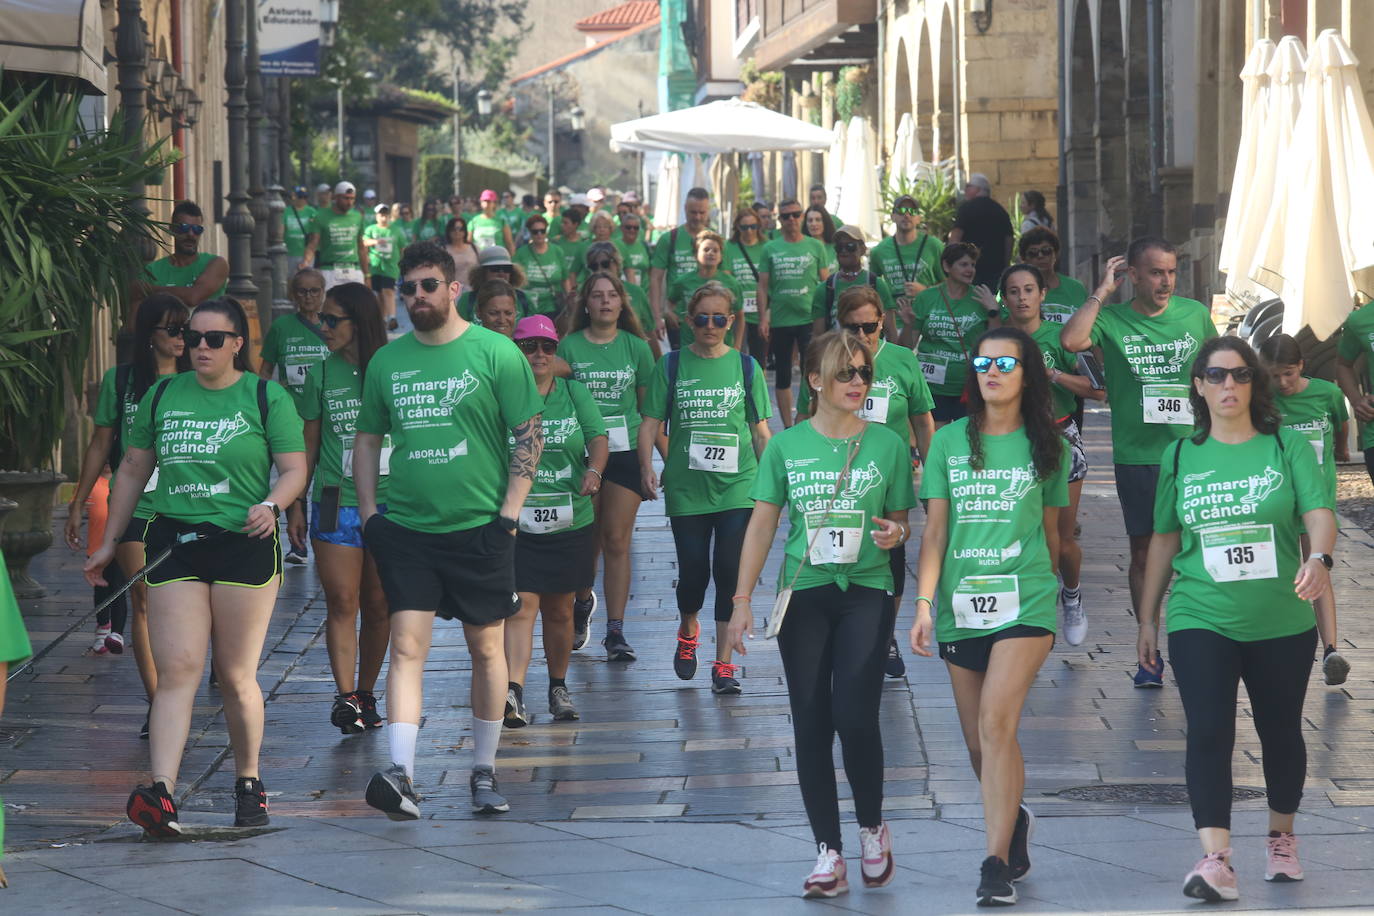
486 735
402 736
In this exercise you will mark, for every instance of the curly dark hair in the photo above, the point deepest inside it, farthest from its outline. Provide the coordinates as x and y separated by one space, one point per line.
1046 439
1263 412
427 254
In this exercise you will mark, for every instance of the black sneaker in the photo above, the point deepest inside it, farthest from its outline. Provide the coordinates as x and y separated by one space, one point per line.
1335 668
391 792
723 681
617 649
516 715
994 884
582 620
143 731
685 658
1021 834
561 705
294 557
347 714
151 808
371 718
895 666
486 799
250 802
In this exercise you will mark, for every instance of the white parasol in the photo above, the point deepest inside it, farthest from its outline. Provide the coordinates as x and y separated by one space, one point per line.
1255 81
834 167
906 152
669 197
725 126
859 188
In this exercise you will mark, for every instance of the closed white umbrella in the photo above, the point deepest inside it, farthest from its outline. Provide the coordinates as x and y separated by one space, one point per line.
1255 82
668 199
859 196
724 188
906 152
726 126
834 167
1328 231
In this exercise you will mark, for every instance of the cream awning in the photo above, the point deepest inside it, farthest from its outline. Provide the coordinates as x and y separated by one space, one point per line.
55 37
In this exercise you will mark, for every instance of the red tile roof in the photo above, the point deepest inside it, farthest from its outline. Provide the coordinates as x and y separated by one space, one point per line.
632 13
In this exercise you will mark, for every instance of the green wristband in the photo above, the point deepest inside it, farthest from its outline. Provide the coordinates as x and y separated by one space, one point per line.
925 599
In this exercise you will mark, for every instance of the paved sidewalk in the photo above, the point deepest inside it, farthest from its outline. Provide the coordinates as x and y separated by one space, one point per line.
663 798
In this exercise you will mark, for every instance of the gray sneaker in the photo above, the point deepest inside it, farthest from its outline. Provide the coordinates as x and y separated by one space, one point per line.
392 793
582 620
516 716
1335 668
561 705
485 798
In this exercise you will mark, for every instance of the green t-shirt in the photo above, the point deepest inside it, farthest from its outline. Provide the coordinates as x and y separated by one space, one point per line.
339 234
615 374
711 461
744 267
555 502
675 260
405 231
684 286
825 301
544 275
513 217
487 231
573 253
1056 357
422 230
449 409
163 272
799 469
14 639
996 570
639 301
949 329
1357 339
292 346
333 395
295 226
1239 509
794 270
635 257
1316 413
214 458
1062 301
1147 362
918 262
385 256
107 414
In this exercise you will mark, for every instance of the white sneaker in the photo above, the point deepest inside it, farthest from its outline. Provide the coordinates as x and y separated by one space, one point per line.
99 647
1075 620
876 864
827 879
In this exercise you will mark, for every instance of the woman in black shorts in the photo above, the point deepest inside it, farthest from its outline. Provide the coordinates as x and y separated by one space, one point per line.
214 434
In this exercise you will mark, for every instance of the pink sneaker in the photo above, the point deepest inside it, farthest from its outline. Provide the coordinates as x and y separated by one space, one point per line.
1212 879
876 865
1283 864
827 879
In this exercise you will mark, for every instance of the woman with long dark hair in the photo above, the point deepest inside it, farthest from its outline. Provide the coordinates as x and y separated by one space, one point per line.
158 350
1231 502
994 483
353 330
818 224
215 433
459 245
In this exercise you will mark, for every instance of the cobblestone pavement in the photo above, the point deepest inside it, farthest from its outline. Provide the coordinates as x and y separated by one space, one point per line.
663 798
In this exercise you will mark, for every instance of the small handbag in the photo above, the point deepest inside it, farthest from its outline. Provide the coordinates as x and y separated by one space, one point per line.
784 598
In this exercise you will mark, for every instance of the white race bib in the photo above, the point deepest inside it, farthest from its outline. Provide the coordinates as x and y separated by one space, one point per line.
714 452
151 485
986 602
546 513
383 246
1167 404
295 374
617 434
836 539
933 367
1318 439
340 275
385 464
751 305
875 406
1239 553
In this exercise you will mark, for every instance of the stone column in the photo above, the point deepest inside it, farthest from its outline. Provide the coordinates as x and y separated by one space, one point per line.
276 200
238 221
133 99
257 194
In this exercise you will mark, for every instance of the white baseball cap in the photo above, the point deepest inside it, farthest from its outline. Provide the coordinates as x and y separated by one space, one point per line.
321 188
369 193
345 187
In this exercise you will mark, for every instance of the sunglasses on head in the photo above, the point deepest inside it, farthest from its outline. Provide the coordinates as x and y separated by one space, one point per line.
1044 251
601 265
213 339
848 374
171 330
702 321
1215 375
428 284
186 229
847 247
1005 364
866 327
332 321
791 214
905 211
538 345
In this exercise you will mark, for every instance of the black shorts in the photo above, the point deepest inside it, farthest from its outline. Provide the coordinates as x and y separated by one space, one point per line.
465 575
896 558
1135 487
948 408
134 533
623 470
551 564
973 653
381 283
221 558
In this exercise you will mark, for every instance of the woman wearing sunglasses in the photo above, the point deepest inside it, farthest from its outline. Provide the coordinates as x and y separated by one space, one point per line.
1231 502
604 257
215 434
543 265
846 484
715 402
610 357
158 351
354 331
1023 292
994 484
743 254
819 225
710 250
556 548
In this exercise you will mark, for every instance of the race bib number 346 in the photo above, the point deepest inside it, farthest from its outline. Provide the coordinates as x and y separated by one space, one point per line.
1167 404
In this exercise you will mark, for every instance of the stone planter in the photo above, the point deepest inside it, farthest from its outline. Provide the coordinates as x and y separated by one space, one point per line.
27 530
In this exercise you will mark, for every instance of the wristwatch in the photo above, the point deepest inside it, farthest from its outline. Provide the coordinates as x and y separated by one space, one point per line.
276 510
993 313
1326 559
509 524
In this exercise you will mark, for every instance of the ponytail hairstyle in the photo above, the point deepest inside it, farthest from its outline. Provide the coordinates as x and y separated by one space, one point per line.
1037 417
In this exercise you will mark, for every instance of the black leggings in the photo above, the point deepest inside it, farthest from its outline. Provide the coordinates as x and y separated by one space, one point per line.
692 537
758 347
1369 463
1207 667
782 340
833 645
117 614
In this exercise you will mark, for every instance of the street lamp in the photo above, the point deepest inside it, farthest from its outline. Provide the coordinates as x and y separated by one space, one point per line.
578 117
329 22
484 102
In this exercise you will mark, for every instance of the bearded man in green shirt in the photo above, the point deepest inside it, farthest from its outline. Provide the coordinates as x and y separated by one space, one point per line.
334 245
188 273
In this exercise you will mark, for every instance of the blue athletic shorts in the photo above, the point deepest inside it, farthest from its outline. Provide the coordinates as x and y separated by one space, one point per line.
350 530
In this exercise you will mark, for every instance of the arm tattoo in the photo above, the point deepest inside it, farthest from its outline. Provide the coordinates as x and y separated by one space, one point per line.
529 445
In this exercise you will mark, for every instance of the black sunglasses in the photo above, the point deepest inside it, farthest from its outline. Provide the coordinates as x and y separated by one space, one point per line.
332 321
702 321
1045 251
847 247
213 339
1216 375
539 232
429 284
866 327
1004 364
601 265
905 211
171 330
534 345
748 227
309 290
186 229
791 214
848 373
